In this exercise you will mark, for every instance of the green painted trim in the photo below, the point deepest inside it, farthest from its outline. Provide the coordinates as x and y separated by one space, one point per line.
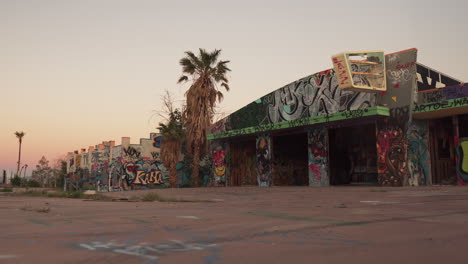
345 115
437 106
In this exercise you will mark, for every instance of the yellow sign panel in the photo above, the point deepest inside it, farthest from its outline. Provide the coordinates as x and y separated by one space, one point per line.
360 71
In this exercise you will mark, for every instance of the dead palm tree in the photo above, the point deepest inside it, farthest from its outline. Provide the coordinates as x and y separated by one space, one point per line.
205 73
20 136
173 135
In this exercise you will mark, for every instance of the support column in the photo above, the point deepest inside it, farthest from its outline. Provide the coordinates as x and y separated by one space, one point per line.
419 161
264 160
318 157
220 155
392 142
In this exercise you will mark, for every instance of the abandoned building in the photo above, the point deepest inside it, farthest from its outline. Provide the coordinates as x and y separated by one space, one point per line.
383 120
313 132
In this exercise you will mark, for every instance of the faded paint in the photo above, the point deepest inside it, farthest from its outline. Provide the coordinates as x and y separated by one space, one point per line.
318 157
264 160
462 161
418 153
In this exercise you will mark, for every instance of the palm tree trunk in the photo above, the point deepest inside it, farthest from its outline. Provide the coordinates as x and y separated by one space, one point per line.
195 165
19 158
172 177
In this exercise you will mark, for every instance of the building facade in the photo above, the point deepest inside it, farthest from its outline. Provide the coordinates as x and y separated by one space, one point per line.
310 132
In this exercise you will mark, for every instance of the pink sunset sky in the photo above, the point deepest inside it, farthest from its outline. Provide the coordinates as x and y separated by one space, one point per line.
76 73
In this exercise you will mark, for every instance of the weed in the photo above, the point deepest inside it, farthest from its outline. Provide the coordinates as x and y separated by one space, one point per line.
6 190
378 190
43 210
40 210
72 195
149 197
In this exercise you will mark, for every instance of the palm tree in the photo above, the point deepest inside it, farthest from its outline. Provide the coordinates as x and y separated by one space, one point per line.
173 134
205 72
20 136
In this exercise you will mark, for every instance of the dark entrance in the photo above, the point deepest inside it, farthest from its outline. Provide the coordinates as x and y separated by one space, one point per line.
290 160
353 155
463 126
242 166
442 151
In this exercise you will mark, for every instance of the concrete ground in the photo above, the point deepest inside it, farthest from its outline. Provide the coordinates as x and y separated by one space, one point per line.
242 225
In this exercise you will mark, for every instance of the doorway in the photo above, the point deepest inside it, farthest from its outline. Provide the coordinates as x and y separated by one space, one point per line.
242 162
353 155
442 147
290 160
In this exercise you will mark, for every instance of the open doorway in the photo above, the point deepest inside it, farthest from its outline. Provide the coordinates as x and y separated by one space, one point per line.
353 155
290 160
442 151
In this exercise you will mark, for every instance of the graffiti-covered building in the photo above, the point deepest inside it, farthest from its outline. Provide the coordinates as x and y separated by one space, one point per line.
312 132
107 167
110 167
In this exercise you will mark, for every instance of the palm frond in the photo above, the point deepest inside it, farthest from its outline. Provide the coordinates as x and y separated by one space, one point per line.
214 56
195 60
220 96
226 86
187 65
182 78
205 59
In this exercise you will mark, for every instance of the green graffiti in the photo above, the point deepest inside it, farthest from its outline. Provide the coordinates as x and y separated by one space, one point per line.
345 115
447 104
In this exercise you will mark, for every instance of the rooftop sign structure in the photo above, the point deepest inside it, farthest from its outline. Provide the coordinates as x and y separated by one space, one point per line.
361 71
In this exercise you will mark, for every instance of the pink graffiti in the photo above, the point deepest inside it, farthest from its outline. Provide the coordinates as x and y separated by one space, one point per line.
218 157
217 127
342 72
316 171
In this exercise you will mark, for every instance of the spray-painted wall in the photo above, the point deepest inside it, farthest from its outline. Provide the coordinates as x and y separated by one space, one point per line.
318 157
264 158
316 95
392 162
107 167
462 160
219 155
419 163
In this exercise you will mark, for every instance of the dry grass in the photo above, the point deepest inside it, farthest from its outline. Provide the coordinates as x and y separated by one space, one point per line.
148 197
39 210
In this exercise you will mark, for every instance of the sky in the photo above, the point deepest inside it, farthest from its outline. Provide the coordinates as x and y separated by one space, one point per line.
76 73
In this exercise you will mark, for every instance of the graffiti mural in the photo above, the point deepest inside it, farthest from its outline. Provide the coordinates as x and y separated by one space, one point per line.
145 251
313 96
218 154
157 141
116 168
391 148
318 157
138 171
264 157
392 142
418 153
462 161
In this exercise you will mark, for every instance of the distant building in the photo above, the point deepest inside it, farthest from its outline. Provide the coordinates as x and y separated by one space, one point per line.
107 167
